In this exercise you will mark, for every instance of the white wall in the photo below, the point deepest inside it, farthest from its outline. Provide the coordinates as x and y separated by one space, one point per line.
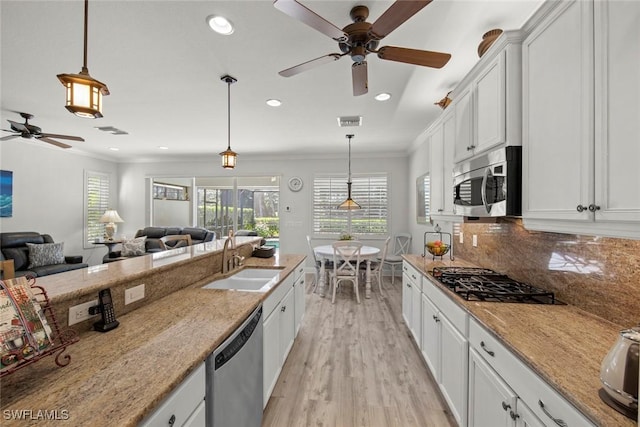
168 213
294 225
48 192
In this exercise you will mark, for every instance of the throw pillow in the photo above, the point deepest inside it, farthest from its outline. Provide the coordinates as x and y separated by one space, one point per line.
134 247
45 254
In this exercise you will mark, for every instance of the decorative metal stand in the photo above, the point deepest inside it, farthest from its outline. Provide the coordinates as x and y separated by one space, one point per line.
438 235
26 354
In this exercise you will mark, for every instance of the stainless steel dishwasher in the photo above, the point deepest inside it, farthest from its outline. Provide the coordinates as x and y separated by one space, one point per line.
234 377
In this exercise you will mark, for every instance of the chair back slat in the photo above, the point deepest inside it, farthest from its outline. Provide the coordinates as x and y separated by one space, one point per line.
402 244
346 257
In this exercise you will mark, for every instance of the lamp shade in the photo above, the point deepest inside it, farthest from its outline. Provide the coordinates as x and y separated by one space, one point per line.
84 94
109 216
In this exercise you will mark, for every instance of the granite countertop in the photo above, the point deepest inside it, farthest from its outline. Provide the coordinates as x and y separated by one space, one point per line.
561 343
119 377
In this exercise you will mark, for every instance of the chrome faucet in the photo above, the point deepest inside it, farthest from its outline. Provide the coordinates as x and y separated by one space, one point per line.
237 260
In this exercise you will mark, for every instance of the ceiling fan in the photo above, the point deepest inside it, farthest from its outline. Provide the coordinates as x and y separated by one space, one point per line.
27 130
361 38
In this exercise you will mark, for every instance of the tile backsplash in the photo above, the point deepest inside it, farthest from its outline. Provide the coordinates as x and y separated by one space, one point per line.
600 275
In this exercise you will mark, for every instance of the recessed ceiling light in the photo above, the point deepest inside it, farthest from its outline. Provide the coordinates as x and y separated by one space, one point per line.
114 149
274 102
163 148
383 96
220 24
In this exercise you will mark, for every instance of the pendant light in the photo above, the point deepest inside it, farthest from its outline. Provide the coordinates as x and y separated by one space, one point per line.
228 156
84 93
349 204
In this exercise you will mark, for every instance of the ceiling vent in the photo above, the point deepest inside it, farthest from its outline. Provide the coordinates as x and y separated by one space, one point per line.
112 130
349 121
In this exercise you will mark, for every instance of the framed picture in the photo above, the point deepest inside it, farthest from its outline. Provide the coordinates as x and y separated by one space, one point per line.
6 194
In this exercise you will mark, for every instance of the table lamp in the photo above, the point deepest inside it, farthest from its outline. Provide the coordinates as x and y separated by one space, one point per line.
110 217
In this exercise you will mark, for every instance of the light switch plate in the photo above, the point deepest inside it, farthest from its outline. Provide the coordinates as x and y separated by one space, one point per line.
461 237
133 294
475 240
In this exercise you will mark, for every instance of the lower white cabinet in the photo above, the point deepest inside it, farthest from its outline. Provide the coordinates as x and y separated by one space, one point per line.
184 406
445 348
411 290
283 313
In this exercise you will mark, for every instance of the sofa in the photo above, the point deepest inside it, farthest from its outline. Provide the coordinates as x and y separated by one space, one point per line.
154 241
36 254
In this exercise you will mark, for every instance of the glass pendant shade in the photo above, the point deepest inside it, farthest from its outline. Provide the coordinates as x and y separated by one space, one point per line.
83 92
228 158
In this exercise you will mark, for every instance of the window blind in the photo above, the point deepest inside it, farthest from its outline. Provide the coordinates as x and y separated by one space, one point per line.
369 191
97 195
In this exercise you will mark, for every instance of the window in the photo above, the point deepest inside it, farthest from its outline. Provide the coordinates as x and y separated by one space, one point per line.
369 191
97 188
163 191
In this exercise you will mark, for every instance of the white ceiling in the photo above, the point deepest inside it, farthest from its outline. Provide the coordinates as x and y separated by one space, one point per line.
163 66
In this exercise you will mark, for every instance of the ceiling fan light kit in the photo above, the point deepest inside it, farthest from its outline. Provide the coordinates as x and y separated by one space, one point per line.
361 38
229 156
83 92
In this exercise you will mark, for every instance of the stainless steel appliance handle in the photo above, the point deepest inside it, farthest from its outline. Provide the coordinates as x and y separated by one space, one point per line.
483 189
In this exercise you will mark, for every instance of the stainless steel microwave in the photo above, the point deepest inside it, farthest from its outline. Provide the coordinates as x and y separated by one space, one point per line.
489 185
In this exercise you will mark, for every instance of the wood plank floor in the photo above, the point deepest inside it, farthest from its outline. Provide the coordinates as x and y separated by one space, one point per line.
355 365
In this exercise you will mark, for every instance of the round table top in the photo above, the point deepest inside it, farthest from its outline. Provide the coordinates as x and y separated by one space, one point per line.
327 251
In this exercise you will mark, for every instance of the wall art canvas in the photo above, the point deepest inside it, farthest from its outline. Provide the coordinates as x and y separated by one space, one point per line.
6 194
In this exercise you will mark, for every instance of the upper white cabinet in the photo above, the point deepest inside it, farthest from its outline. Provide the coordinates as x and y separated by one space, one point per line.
487 102
442 140
581 119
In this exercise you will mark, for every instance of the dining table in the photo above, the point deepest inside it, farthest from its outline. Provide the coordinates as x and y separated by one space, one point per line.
325 253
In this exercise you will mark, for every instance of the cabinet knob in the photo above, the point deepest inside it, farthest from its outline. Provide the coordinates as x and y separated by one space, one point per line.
172 420
505 406
436 318
593 208
513 415
581 208
283 308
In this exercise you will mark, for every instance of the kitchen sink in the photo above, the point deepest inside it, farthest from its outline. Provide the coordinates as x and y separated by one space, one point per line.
249 280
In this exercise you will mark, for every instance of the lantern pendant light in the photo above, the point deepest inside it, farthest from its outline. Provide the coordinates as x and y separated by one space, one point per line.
228 156
84 93
349 204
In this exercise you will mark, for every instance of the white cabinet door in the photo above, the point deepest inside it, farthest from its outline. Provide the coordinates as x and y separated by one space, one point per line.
558 114
453 367
270 354
406 298
490 105
436 170
491 401
464 126
525 417
198 417
449 138
299 290
287 324
431 336
617 110
416 317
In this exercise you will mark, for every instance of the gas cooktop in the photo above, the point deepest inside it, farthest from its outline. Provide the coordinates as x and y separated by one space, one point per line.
481 284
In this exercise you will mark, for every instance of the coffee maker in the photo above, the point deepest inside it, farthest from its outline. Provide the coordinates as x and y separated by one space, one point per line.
619 373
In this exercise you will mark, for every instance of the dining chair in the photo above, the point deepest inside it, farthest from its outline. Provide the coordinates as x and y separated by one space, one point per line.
401 246
346 265
376 266
7 269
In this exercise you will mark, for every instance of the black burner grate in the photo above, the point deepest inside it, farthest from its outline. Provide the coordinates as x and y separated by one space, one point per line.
480 284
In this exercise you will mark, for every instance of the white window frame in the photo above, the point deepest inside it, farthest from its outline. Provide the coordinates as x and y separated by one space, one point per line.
370 191
99 182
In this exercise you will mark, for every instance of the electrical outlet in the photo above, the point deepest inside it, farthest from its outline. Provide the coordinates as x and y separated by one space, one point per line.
133 294
80 312
475 240
461 237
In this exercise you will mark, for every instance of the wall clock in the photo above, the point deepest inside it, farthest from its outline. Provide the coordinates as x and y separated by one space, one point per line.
295 184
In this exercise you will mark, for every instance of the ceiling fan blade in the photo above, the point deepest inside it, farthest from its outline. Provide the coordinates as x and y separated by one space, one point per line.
6 138
309 17
54 142
310 64
396 15
414 56
53 135
360 78
19 126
